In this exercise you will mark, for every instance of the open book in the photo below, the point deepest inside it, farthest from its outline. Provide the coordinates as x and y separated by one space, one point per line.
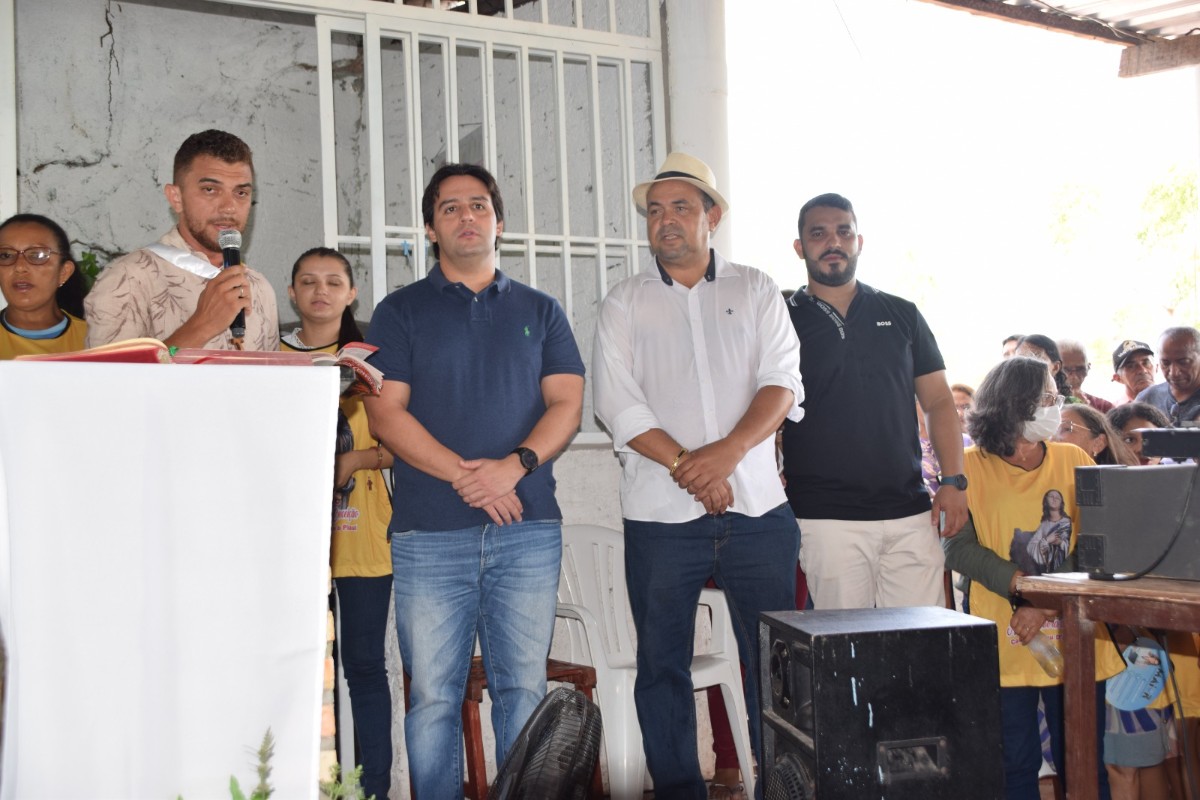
358 377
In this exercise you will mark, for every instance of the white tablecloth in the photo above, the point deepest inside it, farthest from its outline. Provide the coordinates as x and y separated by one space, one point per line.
164 541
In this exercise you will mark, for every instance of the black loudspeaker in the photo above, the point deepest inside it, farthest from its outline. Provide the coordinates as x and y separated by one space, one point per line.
896 703
1139 518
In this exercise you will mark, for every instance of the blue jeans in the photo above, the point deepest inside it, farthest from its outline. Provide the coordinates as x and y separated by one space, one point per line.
362 611
753 559
1022 742
500 582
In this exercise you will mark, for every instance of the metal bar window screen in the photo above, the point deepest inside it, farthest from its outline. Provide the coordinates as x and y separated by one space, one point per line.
565 108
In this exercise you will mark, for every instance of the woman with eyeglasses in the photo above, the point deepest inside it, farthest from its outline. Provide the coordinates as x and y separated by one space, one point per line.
1090 431
1021 486
43 289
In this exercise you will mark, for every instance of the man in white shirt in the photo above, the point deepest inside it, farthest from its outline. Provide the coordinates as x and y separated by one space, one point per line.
696 367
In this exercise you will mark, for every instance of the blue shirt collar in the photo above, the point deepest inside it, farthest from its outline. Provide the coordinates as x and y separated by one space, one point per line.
501 283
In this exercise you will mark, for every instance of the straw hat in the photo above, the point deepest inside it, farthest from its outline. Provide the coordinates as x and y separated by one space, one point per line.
689 169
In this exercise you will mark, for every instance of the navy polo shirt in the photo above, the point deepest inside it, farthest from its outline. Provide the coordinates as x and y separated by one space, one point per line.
856 454
474 363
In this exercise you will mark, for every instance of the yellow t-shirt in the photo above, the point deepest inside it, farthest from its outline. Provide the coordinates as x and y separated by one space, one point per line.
360 547
1015 517
70 340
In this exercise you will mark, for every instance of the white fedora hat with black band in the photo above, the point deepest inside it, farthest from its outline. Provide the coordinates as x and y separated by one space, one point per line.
689 169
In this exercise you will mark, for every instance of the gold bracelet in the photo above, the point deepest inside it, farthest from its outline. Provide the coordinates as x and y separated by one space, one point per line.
675 463
378 456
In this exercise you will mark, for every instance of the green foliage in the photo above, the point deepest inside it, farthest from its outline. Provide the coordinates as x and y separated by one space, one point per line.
349 789
1170 208
89 268
263 790
335 789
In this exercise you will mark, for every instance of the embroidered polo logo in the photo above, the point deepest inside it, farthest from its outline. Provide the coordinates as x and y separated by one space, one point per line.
883 323
729 311
526 330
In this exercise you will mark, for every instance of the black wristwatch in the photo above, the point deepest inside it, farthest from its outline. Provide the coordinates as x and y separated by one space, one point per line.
529 459
957 481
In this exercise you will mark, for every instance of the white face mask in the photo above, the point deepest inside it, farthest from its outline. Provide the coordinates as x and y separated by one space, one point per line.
1044 424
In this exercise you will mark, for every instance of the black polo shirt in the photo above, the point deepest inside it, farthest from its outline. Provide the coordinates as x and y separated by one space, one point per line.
856 454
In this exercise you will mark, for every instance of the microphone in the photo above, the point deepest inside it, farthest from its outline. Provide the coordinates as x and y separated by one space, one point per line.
231 256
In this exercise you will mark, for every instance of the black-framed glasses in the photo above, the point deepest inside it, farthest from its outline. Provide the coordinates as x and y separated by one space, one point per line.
34 256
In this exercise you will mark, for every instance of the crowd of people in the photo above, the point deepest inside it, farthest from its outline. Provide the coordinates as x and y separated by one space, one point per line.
767 445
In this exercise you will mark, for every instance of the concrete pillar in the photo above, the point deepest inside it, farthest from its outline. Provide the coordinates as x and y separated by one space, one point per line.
697 90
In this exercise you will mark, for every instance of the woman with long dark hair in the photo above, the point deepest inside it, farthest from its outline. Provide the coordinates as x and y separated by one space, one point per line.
1019 484
42 287
1090 430
1043 348
323 291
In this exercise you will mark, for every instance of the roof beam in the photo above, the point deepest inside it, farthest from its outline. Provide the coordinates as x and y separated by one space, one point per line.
1038 17
1144 59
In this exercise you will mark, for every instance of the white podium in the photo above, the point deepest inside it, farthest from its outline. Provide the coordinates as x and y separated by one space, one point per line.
164 545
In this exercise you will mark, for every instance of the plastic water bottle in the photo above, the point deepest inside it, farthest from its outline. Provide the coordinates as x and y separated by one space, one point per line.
1047 654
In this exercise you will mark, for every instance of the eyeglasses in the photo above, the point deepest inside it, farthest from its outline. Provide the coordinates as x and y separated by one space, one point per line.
1052 399
1069 426
34 256
1077 370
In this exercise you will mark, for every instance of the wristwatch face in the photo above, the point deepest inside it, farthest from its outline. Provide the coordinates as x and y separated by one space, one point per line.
529 459
957 481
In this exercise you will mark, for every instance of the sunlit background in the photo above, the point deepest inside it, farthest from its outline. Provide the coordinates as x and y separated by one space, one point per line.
1004 178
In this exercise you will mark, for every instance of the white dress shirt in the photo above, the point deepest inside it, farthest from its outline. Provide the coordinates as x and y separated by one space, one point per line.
690 361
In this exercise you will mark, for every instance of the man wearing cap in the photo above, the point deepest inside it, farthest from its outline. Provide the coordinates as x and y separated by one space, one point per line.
1133 367
853 464
695 368
1075 367
1179 394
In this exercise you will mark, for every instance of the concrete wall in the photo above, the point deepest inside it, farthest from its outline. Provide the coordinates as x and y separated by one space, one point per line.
107 91
104 102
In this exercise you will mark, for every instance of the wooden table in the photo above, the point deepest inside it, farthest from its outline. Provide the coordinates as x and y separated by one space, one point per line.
1150 602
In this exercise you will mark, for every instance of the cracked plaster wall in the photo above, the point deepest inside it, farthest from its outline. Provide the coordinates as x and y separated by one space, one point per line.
101 113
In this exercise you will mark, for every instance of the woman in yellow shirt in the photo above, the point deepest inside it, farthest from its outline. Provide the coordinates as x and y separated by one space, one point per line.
43 289
323 291
1021 497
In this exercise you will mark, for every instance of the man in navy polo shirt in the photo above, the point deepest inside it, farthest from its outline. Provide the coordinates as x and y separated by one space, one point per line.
869 537
483 387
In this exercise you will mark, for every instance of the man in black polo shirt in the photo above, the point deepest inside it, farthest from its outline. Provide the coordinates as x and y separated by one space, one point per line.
869 537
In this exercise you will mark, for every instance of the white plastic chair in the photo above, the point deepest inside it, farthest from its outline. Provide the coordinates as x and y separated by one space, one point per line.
592 596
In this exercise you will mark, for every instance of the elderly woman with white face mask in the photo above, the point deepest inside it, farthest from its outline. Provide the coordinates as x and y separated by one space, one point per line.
1013 474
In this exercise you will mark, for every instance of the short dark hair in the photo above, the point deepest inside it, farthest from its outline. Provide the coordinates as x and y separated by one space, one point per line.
1050 348
218 144
69 296
1012 337
1182 332
429 199
1005 401
349 330
1120 415
827 200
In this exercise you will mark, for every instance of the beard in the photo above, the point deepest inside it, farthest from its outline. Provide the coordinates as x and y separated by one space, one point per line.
838 277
